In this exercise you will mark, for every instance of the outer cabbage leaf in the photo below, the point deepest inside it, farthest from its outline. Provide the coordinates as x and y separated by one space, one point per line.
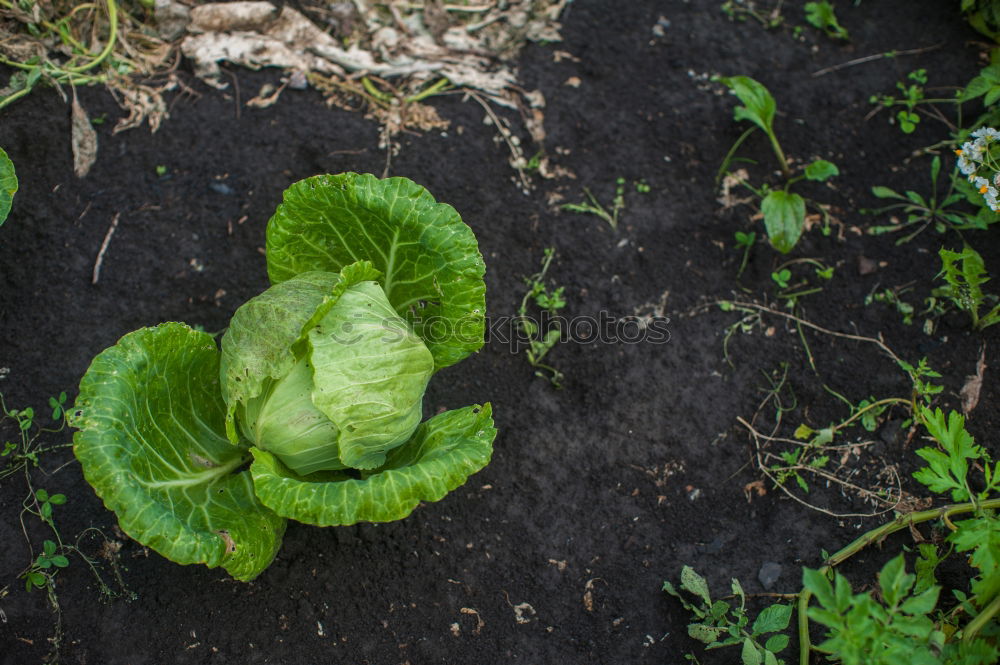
152 444
257 347
8 185
441 455
433 271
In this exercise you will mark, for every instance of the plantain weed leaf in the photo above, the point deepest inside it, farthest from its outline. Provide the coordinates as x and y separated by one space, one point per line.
784 218
821 170
758 104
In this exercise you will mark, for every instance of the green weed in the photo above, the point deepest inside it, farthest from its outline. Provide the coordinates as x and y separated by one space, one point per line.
784 211
550 302
591 206
821 15
965 273
722 624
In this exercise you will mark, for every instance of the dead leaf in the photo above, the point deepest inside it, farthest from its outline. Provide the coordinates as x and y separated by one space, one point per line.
756 487
974 385
83 140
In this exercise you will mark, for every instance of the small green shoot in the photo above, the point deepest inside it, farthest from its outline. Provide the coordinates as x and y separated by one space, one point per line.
161 170
746 242
642 186
593 207
965 273
821 16
36 576
911 98
550 302
741 10
791 292
722 624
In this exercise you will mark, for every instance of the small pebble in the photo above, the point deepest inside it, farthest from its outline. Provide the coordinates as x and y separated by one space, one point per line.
769 574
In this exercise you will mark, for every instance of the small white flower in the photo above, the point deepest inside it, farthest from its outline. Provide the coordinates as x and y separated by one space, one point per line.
966 166
986 134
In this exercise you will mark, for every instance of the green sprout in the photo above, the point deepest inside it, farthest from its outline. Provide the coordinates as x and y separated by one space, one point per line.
549 301
593 207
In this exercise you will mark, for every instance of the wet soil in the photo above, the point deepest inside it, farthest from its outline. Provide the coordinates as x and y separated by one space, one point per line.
597 493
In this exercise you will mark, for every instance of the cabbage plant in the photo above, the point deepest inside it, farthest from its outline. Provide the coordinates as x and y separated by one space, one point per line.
312 408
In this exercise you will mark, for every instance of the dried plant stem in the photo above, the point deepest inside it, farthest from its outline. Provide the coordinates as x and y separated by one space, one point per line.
104 247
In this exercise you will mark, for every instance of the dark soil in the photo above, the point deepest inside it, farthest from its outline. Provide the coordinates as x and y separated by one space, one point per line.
598 492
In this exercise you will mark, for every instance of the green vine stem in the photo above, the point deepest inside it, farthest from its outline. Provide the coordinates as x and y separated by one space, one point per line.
876 535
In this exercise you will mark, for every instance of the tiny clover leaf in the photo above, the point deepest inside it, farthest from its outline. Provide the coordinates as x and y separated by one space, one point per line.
58 405
908 121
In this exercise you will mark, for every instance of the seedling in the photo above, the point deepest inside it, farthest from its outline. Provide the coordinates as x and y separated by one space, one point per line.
746 241
965 273
722 624
550 302
820 15
784 211
892 297
911 98
791 292
36 576
741 10
22 456
593 207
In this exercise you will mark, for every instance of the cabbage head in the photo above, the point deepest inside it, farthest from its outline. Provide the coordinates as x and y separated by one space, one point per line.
312 408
